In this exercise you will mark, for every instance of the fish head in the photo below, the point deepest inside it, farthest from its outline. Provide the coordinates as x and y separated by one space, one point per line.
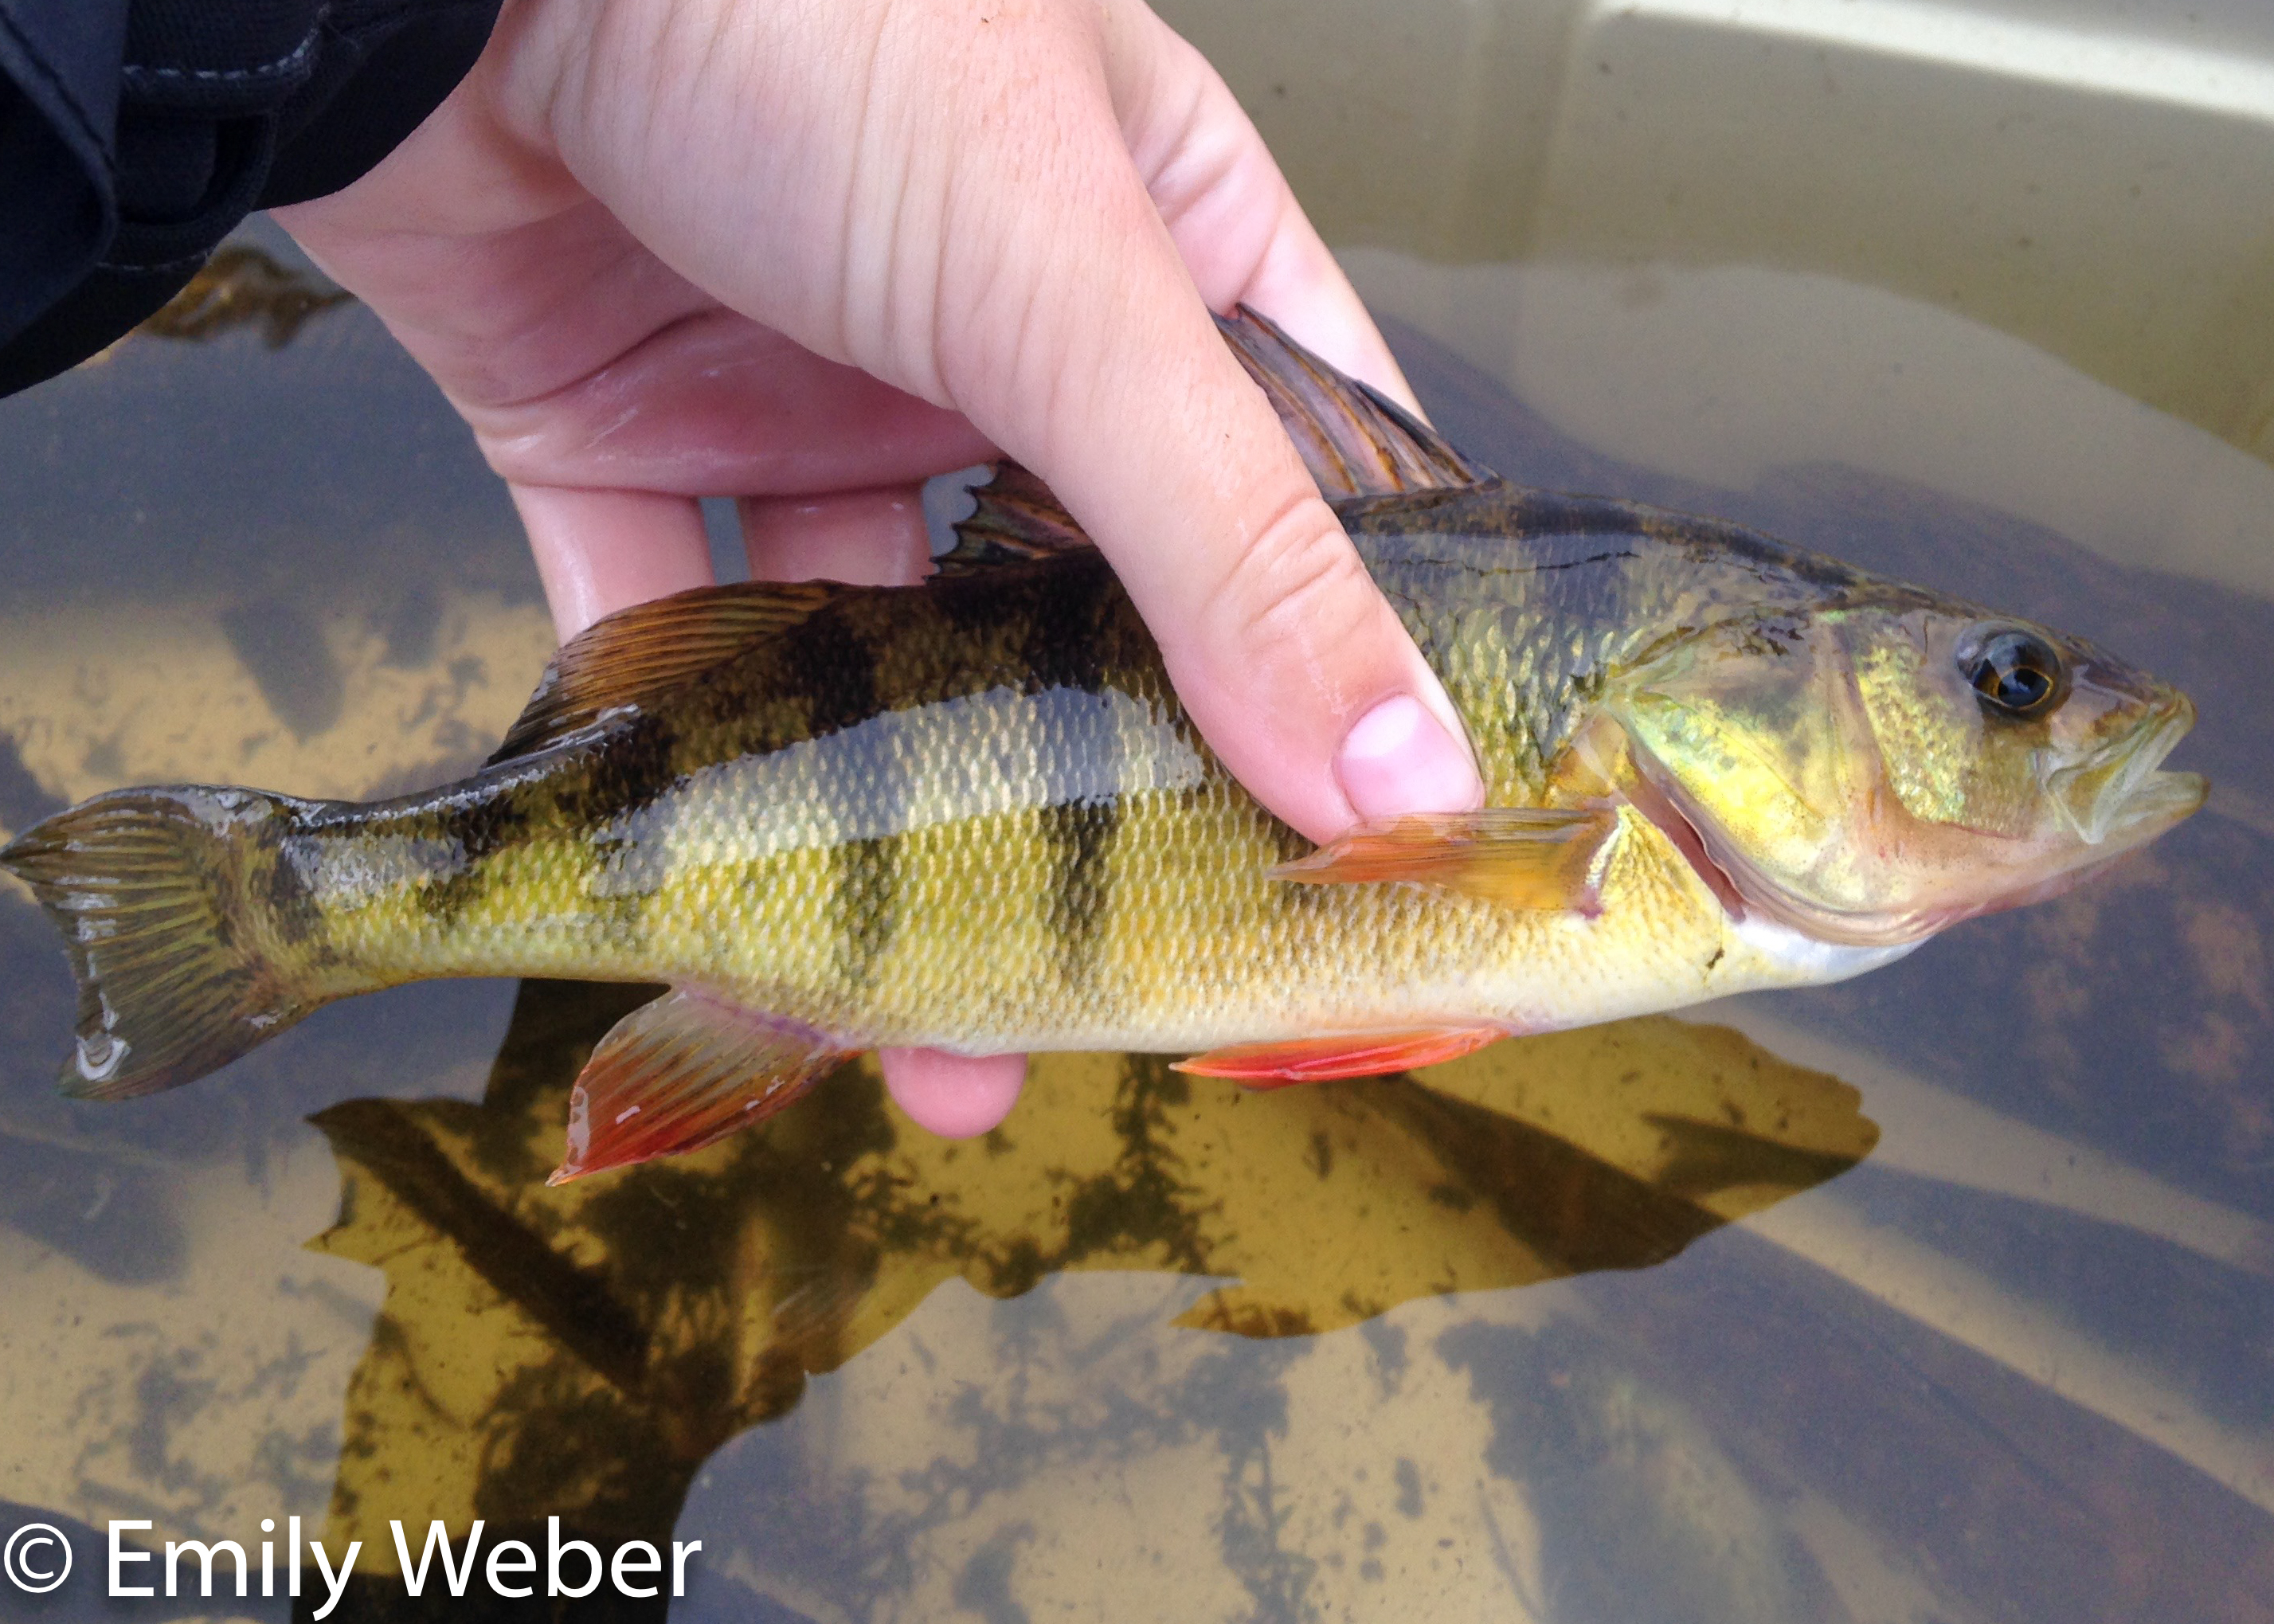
1872 772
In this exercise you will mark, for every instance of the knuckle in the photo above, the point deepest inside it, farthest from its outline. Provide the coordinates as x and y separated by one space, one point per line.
1296 583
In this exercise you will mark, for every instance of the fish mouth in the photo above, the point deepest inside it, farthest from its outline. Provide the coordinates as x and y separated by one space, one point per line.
2116 798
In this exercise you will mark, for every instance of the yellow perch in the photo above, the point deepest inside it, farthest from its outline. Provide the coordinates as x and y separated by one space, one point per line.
971 813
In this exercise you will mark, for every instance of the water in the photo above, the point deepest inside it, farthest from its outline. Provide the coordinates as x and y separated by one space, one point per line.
1945 1295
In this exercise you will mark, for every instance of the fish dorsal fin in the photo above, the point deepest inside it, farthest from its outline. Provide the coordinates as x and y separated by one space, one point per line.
635 654
1018 520
1355 439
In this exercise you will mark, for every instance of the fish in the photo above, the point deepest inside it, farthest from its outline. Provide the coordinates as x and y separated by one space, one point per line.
971 813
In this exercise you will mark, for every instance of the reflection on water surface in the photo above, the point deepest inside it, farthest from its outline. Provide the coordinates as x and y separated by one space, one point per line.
1945 1295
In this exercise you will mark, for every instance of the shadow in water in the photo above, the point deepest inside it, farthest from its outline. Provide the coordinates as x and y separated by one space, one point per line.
242 286
580 1352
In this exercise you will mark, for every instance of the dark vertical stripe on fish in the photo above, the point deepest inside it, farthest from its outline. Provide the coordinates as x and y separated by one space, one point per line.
1068 644
1080 837
640 769
1068 638
836 667
479 826
864 906
294 911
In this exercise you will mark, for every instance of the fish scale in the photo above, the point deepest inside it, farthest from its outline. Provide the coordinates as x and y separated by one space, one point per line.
973 814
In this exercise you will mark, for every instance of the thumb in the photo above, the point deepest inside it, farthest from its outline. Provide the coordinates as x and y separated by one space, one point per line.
1122 395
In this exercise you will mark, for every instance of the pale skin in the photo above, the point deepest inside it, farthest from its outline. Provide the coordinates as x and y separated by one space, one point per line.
808 253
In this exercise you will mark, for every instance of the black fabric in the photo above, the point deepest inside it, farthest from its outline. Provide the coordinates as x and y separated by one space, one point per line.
371 90
135 134
59 64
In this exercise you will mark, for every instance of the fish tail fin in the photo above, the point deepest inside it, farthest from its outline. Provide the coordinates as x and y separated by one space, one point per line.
180 913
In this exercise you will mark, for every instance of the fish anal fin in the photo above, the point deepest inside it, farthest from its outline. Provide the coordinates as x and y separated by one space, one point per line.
676 1074
634 655
1343 1054
1018 521
1355 440
1522 857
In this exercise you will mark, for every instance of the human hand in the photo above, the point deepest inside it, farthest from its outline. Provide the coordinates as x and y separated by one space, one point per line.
807 252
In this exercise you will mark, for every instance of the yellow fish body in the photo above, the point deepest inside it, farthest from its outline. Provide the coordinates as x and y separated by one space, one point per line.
972 813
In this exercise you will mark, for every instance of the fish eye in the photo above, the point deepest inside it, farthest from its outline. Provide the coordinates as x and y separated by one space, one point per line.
2014 673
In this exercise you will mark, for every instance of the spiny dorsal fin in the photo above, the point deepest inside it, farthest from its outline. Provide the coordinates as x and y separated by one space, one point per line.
635 654
1018 520
1355 440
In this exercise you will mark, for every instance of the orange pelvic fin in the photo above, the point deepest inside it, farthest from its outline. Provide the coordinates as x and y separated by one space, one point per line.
1344 1053
1523 857
677 1073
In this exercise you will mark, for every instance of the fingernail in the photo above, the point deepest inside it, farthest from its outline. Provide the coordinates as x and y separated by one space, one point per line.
1398 758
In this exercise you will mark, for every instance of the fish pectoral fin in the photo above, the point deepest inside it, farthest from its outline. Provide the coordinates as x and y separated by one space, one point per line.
637 655
1018 521
1343 1054
676 1074
1522 857
1355 440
